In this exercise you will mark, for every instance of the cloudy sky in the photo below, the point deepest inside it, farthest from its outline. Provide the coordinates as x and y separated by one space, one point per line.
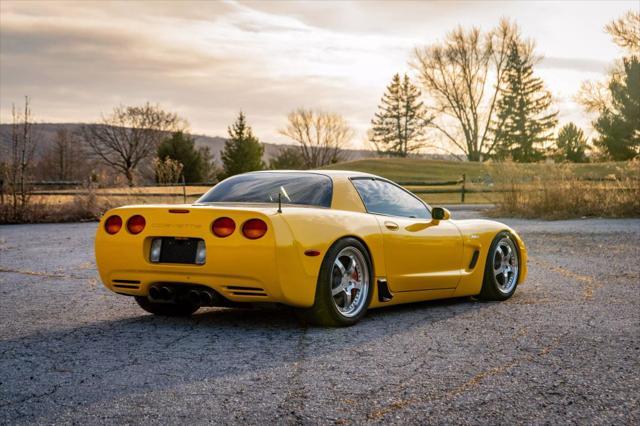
207 60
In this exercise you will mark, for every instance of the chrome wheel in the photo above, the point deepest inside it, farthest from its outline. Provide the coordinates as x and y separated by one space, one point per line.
505 265
350 282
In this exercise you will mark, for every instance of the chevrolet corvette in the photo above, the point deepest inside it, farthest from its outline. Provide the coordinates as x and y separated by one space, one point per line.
330 244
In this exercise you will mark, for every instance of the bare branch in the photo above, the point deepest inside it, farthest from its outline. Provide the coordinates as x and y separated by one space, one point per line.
455 73
130 135
625 32
322 136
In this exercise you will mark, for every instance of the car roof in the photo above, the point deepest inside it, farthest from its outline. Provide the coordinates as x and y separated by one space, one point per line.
330 173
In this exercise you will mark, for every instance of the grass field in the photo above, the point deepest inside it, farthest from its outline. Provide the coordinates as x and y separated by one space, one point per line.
539 188
405 169
480 177
484 177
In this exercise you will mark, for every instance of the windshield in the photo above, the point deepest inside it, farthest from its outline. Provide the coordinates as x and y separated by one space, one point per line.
306 189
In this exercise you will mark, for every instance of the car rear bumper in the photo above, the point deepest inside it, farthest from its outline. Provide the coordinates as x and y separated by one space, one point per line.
268 269
235 288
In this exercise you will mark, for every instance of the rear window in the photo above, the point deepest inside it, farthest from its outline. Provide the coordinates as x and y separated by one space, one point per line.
305 189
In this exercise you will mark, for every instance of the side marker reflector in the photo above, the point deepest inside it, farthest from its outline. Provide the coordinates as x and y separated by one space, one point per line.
312 253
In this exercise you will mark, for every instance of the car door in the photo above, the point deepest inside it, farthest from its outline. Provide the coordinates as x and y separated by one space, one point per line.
420 253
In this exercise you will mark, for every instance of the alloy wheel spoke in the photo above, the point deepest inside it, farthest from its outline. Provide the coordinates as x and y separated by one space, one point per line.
351 280
347 297
505 267
339 289
352 266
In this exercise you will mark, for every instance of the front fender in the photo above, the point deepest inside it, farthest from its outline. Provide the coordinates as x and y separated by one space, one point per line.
478 235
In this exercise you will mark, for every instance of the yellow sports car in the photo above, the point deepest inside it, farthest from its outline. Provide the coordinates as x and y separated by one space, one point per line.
329 243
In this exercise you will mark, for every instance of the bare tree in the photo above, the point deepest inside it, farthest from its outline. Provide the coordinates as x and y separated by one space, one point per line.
462 78
625 31
23 146
167 170
64 159
129 135
322 136
594 95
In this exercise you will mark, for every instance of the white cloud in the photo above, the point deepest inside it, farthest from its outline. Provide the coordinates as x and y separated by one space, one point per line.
207 60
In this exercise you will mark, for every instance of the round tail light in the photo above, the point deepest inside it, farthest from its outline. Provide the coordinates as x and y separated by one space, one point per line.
136 224
223 227
254 229
113 224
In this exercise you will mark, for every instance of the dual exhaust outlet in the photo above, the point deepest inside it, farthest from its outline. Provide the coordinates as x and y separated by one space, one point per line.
168 294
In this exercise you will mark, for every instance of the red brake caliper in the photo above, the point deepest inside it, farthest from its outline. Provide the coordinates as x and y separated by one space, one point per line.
355 277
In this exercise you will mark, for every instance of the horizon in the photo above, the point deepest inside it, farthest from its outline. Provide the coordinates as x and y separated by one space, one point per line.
77 61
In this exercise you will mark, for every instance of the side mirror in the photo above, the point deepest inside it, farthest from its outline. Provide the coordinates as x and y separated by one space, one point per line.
440 213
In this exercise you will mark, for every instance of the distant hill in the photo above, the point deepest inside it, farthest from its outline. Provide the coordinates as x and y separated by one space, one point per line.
47 131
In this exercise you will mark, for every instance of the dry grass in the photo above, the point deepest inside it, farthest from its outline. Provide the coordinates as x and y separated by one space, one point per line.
555 192
76 209
549 191
91 205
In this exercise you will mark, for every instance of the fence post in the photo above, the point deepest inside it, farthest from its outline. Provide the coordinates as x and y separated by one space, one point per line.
462 191
184 190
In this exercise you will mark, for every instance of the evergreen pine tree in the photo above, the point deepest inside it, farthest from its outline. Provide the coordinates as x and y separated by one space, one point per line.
289 157
571 144
398 126
242 151
181 147
524 120
619 123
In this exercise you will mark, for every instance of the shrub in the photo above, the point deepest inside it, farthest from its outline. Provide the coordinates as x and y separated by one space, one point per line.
556 193
82 208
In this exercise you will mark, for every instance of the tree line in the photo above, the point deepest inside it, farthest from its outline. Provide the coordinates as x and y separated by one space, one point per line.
145 142
477 91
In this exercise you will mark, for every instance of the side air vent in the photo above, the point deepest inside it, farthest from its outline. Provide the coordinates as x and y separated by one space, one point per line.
237 290
131 284
474 259
384 294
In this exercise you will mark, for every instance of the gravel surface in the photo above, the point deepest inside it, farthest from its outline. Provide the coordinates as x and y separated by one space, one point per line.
565 348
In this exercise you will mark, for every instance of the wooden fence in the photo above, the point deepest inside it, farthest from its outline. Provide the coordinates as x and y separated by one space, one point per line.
459 186
426 187
462 190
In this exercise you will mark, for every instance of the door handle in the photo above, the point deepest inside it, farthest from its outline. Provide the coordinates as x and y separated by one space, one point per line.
391 225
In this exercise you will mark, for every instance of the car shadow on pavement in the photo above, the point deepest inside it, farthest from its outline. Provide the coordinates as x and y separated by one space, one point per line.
122 358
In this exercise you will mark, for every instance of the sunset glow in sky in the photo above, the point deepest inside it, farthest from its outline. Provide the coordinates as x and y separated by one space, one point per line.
208 60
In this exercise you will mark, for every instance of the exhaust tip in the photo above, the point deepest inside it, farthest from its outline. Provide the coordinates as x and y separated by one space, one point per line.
206 298
194 297
154 293
166 293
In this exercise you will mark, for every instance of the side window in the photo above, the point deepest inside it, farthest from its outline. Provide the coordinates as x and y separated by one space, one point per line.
384 198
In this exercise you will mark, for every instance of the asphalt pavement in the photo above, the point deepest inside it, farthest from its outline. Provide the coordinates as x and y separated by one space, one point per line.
564 349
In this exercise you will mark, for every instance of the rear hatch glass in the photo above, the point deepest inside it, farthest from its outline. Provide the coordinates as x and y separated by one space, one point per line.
306 189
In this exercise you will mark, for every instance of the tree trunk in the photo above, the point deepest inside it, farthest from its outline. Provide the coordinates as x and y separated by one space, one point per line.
129 175
474 156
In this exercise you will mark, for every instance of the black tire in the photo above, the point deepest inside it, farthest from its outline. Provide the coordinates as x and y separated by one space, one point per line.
324 312
492 287
180 309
